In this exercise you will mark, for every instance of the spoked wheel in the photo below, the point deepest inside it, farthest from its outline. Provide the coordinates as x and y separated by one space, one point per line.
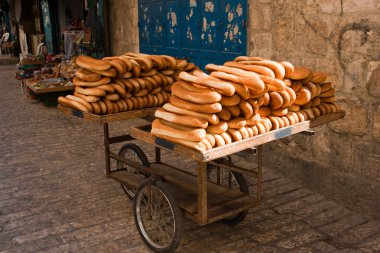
132 152
157 216
232 180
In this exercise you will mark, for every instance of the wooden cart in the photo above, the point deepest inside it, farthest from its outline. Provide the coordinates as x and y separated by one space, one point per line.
162 194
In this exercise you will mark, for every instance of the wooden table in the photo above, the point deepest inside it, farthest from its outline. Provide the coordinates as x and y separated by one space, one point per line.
30 84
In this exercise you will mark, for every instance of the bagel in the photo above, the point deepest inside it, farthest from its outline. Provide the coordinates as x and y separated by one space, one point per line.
107 73
303 96
155 91
195 94
287 82
286 121
234 110
144 61
261 128
296 86
224 88
91 91
275 123
249 131
280 121
276 100
328 93
315 102
285 96
141 93
249 58
264 111
255 104
92 64
325 87
291 119
313 89
108 88
119 65
211 139
300 73
266 123
136 68
294 108
191 121
217 129
126 75
244 133
203 108
289 68
316 111
227 138
220 142
87 76
310 113
326 108
254 83
194 134
235 134
170 61
301 116
207 144
336 106
73 104
333 108
246 65
113 97
292 95
236 123
246 110
254 130
305 114
78 82
126 61
318 77
212 118
224 114
279 112
277 68
90 99
120 90
327 99
253 120
230 101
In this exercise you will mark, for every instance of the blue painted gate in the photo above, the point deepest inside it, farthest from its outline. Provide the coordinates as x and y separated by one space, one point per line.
202 31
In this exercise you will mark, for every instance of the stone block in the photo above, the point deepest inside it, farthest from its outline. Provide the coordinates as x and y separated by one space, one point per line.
376 122
300 239
367 160
330 6
355 6
343 224
373 78
260 17
268 236
262 41
283 34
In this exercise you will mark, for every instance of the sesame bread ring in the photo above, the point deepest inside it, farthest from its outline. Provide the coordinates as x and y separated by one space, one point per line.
151 72
90 99
286 121
267 123
87 76
124 105
294 108
211 118
211 139
245 65
277 68
217 129
324 109
336 106
91 91
155 91
260 128
113 97
327 99
136 68
109 88
254 130
120 105
144 61
204 108
148 85
91 63
318 77
223 87
294 115
230 101
266 99
129 103
236 123
103 107
275 123
333 108
287 82
254 83
207 144
164 79
195 94
234 110
107 73
235 134
315 102
303 96
227 138
158 62
249 130
141 103
220 142
82 101
110 108
244 133
224 114
264 111
301 117
313 89
195 134
300 73
246 109
78 82
316 111
126 61
296 86
273 83
141 93
305 114
120 90
161 99
231 70
167 72
328 93
191 121
280 121
126 75
325 87
190 66
171 63
291 119
73 104
309 112
292 95
253 120
241 90
276 100
118 65
289 68
279 112
248 58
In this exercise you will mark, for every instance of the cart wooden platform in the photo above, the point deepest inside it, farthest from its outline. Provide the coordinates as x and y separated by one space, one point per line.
203 197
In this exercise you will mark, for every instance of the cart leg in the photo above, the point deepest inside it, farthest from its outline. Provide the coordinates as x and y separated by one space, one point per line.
158 155
202 193
107 149
259 171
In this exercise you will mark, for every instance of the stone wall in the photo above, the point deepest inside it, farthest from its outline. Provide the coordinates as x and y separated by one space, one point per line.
123 22
341 38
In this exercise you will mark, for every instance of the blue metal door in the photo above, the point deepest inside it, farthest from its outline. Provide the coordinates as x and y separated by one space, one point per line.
202 31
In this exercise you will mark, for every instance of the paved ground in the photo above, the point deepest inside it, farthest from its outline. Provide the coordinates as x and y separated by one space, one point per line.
54 196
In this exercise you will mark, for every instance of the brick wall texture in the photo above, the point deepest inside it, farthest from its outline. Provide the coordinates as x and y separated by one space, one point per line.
339 37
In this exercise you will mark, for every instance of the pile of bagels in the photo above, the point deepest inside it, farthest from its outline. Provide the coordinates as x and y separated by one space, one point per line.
123 83
239 100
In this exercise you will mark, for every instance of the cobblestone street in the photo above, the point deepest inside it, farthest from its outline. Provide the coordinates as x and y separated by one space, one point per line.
55 197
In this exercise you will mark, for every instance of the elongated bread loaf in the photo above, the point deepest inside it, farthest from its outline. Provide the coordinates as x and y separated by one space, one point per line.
195 134
191 121
192 93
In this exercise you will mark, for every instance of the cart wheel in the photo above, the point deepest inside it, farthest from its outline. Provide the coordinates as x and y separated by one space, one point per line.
132 152
230 179
160 226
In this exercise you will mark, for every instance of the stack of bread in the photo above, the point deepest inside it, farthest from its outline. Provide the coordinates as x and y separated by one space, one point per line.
123 83
242 99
